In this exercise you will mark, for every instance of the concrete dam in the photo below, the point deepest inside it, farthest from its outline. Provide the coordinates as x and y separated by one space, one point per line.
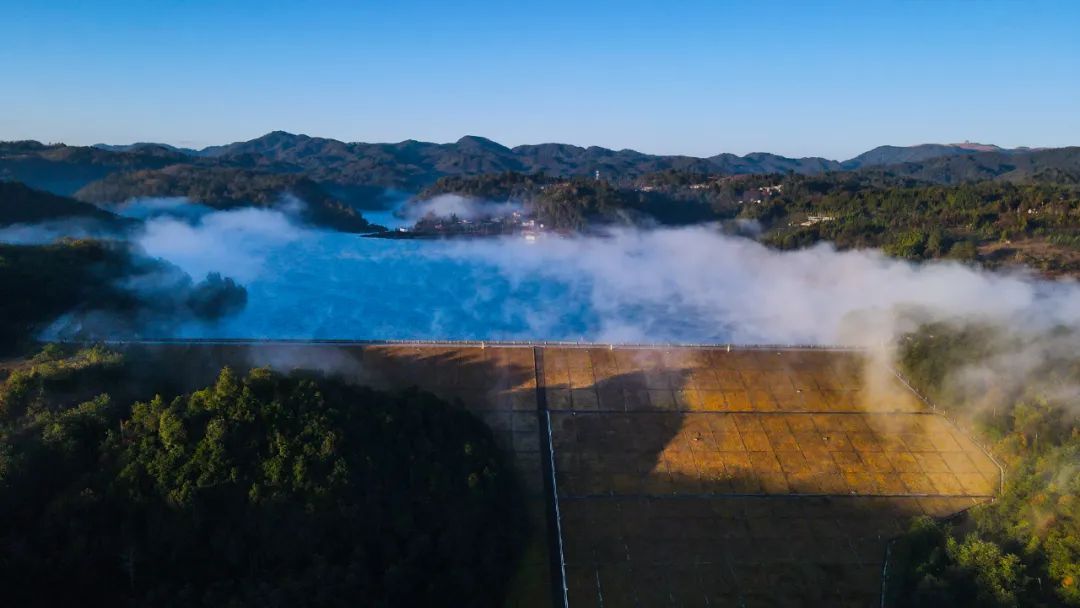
681 476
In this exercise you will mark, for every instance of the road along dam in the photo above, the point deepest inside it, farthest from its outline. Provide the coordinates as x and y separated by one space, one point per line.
680 476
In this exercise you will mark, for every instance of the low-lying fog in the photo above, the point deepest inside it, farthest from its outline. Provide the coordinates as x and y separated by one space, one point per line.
664 285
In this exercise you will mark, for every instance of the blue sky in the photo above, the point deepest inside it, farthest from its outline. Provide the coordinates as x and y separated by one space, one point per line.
796 78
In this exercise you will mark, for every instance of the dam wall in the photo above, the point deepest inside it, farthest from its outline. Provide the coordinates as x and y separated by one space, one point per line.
679 475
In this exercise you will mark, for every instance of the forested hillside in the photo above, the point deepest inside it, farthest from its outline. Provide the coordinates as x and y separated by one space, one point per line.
993 222
967 202
109 288
996 223
64 169
413 165
20 204
1056 165
576 204
259 490
228 188
1023 549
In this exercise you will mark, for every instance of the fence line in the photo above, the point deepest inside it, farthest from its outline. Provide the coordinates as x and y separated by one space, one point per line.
964 430
966 433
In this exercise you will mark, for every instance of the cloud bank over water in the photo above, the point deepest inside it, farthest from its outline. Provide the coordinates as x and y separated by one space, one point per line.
671 285
234 243
665 285
447 205
758 295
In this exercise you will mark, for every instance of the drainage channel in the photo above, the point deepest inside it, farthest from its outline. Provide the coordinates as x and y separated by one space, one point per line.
551 492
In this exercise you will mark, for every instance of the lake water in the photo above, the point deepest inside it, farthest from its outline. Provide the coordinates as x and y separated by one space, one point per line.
313 284
686 285
338 286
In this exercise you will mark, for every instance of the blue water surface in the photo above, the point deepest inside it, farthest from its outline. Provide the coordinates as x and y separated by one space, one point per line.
343 286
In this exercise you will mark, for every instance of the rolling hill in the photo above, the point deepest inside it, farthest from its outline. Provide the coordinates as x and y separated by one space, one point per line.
20 204
1058 165
227 188
63 169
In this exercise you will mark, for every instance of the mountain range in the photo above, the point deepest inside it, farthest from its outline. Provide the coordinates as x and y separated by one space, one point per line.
411 164
358 173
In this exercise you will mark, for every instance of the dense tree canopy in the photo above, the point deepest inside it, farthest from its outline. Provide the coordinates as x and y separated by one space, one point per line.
228 188
261 490
42 282
1024 548
578 203
920 221
1035 222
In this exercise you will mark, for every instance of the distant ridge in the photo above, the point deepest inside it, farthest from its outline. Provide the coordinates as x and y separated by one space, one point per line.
347 170
144 147
279 142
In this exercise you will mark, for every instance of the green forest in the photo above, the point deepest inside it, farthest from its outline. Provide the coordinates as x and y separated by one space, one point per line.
576 204
257 490
95 277
228 188
993 222
1033 222
1023 549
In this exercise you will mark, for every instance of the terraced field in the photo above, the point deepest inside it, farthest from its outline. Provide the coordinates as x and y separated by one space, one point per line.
687 476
